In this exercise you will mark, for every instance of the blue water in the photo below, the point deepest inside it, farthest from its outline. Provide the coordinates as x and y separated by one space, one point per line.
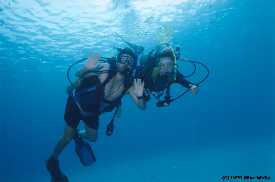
225 130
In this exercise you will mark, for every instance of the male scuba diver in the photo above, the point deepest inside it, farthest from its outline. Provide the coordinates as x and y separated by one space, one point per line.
100 86
159 71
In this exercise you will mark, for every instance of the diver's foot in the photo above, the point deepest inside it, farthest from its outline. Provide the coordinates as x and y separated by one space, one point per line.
52 165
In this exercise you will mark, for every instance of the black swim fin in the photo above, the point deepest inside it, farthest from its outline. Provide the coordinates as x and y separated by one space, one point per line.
52 165
84 151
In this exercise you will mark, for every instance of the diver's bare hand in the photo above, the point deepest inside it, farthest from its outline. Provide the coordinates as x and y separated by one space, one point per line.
93 58
138 87
194 89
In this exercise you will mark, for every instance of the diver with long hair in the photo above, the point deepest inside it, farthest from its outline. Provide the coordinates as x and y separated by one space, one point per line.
159 70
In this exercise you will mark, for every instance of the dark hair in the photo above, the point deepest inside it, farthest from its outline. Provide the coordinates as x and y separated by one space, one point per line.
129 52
167 53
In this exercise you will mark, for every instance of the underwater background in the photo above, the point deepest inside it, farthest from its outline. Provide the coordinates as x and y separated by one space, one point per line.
225 130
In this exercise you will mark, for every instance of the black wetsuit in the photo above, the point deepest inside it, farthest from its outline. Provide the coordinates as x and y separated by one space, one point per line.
160 83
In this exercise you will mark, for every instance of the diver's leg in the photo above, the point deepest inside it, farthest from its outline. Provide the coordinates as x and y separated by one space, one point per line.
72 118
52 163
89 134
90 131
68 135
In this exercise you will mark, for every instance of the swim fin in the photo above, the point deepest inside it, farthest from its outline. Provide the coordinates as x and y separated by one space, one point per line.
84 151
52 165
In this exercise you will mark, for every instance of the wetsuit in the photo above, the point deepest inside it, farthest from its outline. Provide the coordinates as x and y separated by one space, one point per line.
160 83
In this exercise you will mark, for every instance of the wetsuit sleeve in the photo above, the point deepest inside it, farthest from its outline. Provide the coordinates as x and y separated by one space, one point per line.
182 81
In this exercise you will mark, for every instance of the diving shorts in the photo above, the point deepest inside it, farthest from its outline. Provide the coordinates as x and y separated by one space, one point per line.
72 116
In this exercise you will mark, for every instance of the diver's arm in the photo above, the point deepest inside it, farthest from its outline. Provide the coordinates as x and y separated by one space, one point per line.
91 64
182 81
138 101
84 70
187 84
136 93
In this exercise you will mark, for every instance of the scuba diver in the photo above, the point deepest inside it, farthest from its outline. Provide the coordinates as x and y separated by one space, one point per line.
100 86
159 71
